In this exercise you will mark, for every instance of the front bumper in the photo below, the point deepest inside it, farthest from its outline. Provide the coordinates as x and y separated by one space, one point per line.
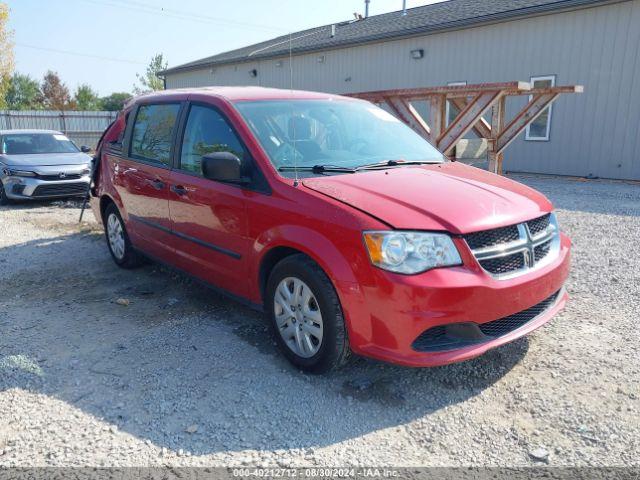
396 310
31 188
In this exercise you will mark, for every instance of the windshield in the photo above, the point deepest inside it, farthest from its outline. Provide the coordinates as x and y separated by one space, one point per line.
29 143
346 134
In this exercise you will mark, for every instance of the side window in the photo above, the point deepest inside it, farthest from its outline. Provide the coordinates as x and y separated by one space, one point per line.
539 129
152 132
207 132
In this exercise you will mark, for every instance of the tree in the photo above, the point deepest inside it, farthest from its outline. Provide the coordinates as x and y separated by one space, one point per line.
6 53
23 93
86 99
150 81
115 101
55 93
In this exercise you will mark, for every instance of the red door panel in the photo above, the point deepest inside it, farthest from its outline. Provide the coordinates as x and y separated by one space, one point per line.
210 230
142 178
144 190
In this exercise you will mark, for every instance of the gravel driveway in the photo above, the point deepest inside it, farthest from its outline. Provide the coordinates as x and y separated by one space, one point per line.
182 376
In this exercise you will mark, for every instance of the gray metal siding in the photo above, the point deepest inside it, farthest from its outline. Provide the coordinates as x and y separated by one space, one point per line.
596 133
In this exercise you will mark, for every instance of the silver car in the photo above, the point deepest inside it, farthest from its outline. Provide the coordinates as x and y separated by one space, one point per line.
41 164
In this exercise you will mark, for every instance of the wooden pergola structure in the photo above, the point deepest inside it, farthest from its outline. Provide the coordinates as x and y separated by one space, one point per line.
473 102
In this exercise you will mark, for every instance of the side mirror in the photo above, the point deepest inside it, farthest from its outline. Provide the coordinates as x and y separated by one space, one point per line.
85 149
222 167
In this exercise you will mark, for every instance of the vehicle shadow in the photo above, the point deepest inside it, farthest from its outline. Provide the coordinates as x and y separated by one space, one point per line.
164 359
66 202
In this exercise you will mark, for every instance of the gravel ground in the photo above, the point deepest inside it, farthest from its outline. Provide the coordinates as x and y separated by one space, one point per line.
182 376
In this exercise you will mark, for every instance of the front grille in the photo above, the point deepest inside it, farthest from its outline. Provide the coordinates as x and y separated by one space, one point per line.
514 249
541 251
459 335
56 177
538 225
489 238
502 265
61 189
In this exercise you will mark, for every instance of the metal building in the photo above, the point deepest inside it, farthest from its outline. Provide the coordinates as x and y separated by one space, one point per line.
595 43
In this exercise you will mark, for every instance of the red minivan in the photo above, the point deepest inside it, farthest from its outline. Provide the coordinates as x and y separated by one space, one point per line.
351 232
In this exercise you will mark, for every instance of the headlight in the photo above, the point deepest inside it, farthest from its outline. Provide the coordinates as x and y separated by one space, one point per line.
411 252
18 173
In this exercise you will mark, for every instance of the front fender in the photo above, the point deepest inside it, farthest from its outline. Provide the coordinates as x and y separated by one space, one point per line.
335 263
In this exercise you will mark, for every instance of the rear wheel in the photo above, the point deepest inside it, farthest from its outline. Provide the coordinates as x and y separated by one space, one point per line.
118 241
306 315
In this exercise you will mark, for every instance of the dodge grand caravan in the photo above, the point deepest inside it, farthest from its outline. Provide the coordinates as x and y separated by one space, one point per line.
351 231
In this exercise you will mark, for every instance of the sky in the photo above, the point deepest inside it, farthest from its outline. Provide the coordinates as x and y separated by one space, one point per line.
104 43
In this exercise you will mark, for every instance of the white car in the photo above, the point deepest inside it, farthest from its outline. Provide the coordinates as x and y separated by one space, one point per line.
36 164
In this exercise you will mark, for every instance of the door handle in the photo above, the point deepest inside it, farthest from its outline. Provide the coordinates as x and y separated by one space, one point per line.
157 184
179 190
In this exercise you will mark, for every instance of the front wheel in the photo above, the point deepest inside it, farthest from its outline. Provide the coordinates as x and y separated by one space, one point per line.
4 200
306 315
120 246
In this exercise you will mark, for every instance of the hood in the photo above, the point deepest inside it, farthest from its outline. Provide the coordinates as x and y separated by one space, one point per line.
45 159
450 196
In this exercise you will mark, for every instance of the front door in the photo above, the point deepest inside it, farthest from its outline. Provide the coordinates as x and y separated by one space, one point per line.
142 177
209 220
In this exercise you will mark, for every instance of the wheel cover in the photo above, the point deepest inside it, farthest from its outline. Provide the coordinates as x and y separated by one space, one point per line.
115 234
298 317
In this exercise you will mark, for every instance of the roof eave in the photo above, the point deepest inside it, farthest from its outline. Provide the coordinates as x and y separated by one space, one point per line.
560 6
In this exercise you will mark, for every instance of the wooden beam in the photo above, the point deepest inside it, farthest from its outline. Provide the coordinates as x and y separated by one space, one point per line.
438 114
528 114
513 88
409 115
466 119
484 96
462 91
497 124
482 128
559 89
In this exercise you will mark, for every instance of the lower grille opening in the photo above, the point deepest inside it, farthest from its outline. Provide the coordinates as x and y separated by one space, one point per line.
17 189
458 335
60 189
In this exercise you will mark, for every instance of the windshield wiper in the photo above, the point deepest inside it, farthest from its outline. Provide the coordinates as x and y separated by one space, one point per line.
393 163
318 169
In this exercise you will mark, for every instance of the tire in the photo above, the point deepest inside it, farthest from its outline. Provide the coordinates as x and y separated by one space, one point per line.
308 324
4 200
118 241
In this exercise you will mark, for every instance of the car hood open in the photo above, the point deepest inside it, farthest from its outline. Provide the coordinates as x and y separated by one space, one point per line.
45 159
453 197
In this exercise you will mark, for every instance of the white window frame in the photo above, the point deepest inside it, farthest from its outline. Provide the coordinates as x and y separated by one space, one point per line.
448 103
547 135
